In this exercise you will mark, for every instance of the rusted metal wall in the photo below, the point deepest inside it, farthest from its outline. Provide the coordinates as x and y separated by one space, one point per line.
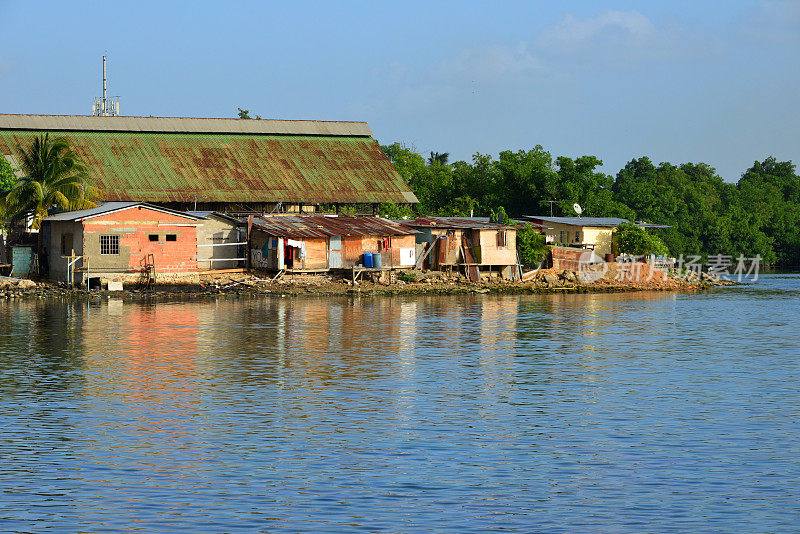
352 250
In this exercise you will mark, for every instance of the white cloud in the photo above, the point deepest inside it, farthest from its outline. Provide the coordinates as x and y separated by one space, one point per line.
776 21
621 36
572 32
491 63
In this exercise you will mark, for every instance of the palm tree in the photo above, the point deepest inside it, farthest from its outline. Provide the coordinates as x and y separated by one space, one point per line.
54 176
437 158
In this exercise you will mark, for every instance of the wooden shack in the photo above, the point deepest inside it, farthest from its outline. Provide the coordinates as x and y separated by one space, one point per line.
308 243
475 244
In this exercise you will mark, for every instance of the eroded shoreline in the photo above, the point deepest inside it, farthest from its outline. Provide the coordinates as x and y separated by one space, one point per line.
244 285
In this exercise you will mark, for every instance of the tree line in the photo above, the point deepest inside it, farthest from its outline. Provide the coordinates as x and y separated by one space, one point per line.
760 214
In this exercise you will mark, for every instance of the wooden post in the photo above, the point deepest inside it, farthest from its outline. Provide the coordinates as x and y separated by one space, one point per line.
72 267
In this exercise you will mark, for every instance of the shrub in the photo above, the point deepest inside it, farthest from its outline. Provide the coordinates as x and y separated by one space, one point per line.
406 277
632 239
531 245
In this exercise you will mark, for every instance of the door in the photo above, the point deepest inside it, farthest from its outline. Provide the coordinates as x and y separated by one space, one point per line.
335 252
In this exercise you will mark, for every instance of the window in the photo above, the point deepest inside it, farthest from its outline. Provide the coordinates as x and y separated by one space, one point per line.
153 237
109 245
66 244
172 237
577 237
501 238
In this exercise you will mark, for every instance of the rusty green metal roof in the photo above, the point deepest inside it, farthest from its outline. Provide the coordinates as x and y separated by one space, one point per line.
230 167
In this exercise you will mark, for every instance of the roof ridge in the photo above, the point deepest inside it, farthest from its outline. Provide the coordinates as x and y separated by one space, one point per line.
184 125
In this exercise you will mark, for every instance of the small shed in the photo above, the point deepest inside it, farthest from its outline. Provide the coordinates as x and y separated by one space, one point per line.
221 241
594 233
298 243
121 241
474 243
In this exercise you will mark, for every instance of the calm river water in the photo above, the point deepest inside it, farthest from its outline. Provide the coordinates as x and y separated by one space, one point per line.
586 413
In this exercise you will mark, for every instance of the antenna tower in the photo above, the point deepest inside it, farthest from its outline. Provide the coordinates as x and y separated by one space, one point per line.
103 106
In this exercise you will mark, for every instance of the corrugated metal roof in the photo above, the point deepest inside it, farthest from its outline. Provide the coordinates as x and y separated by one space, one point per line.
110 207
207 213
305 226
181 125
469 223
603 222
184 167
578 221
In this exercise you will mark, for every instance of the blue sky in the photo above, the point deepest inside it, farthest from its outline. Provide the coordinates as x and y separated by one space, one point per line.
710 81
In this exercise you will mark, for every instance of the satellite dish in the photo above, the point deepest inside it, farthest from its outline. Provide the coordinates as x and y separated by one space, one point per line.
578 209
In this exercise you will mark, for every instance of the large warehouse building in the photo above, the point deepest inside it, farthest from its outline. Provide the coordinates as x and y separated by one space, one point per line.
225 165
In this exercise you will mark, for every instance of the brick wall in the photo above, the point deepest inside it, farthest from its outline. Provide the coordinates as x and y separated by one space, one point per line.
566 258
134 227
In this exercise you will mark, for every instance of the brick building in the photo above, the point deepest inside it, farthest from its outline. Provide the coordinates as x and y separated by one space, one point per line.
120 241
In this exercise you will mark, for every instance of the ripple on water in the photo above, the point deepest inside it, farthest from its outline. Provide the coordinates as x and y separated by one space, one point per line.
617 413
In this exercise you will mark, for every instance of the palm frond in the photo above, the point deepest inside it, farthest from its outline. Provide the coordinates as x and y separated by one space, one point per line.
54 176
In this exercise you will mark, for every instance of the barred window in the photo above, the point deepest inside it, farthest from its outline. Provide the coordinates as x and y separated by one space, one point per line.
501 238
109 245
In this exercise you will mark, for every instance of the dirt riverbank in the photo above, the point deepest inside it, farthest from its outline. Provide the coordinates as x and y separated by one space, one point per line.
612 278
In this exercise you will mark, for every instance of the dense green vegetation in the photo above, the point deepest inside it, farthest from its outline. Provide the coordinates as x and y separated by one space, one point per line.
7 178
758 215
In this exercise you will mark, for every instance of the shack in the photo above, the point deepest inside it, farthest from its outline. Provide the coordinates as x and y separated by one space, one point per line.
121 241
308 243
221 241
474 243
594 233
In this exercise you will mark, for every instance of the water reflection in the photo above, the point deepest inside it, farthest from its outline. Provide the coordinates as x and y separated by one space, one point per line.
625 411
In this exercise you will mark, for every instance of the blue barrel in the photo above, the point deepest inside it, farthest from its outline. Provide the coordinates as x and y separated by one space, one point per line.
368 260
376 260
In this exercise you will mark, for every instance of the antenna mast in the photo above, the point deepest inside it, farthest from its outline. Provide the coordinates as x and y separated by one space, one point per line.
104 107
